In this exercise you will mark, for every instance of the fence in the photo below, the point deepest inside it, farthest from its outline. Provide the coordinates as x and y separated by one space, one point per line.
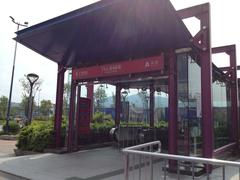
141 162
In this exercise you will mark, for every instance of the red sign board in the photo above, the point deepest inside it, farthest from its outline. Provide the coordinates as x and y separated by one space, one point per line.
84 115
121 68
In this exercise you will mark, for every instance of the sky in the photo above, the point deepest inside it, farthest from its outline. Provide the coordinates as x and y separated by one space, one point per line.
225 31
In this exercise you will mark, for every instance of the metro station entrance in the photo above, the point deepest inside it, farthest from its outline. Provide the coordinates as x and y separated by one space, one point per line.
129 44
150 74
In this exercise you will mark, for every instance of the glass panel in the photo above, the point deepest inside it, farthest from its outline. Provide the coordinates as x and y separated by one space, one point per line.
182 85
189 105
195 107
221 113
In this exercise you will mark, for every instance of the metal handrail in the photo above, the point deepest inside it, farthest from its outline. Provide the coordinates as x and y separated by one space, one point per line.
140 146
194 160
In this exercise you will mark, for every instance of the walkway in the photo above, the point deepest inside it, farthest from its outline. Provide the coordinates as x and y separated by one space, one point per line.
98 164
6 148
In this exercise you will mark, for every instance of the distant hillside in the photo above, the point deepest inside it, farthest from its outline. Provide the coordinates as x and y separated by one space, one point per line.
135 99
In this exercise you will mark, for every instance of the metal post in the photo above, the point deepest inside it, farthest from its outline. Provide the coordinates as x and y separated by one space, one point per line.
165 169
30 105
232 71
207 171
178 170
234 97
39 101
193 171
90 93
13 70
117 105
11 86
206 86
77 134
202 40
140 167
32 78
71 117
172 108
133 168
126 167
152 103
223 172
151 164
59 105
146 163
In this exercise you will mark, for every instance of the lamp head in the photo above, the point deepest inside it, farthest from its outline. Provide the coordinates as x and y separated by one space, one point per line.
124 93
32 78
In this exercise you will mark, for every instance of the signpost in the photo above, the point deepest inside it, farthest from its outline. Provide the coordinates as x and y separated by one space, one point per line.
154 63
84 115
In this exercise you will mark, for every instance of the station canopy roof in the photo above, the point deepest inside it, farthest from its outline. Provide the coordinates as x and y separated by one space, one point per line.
108 31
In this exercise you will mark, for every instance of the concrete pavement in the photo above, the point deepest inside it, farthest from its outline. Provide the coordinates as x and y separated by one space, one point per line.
6 148
6 176
98 164
95 164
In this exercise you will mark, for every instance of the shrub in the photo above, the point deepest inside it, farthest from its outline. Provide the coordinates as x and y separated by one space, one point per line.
44 118
161 124
100 117
36 137
106 125
13 127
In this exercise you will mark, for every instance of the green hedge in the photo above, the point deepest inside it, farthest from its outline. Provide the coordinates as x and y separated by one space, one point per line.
36 137
100 117
39 136
14 127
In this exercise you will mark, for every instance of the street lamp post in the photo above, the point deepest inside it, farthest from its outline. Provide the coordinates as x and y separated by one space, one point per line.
13 68
39 100
32 78
124 108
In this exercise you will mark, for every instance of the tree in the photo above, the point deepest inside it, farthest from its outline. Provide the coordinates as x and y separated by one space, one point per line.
46 108
99 97
113 100
3 106
144 98
26 92
66 94
24 105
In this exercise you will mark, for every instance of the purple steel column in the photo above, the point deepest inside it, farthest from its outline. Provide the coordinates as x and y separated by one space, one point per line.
90 93
117 105
78 114
71 117
172 105
152 103
206 86
234 97
59 105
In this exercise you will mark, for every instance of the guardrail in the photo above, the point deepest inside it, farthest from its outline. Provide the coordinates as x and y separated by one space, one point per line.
148 155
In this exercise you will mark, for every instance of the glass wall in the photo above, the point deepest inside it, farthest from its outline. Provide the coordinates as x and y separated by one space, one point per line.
221 113
161 106
189 105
